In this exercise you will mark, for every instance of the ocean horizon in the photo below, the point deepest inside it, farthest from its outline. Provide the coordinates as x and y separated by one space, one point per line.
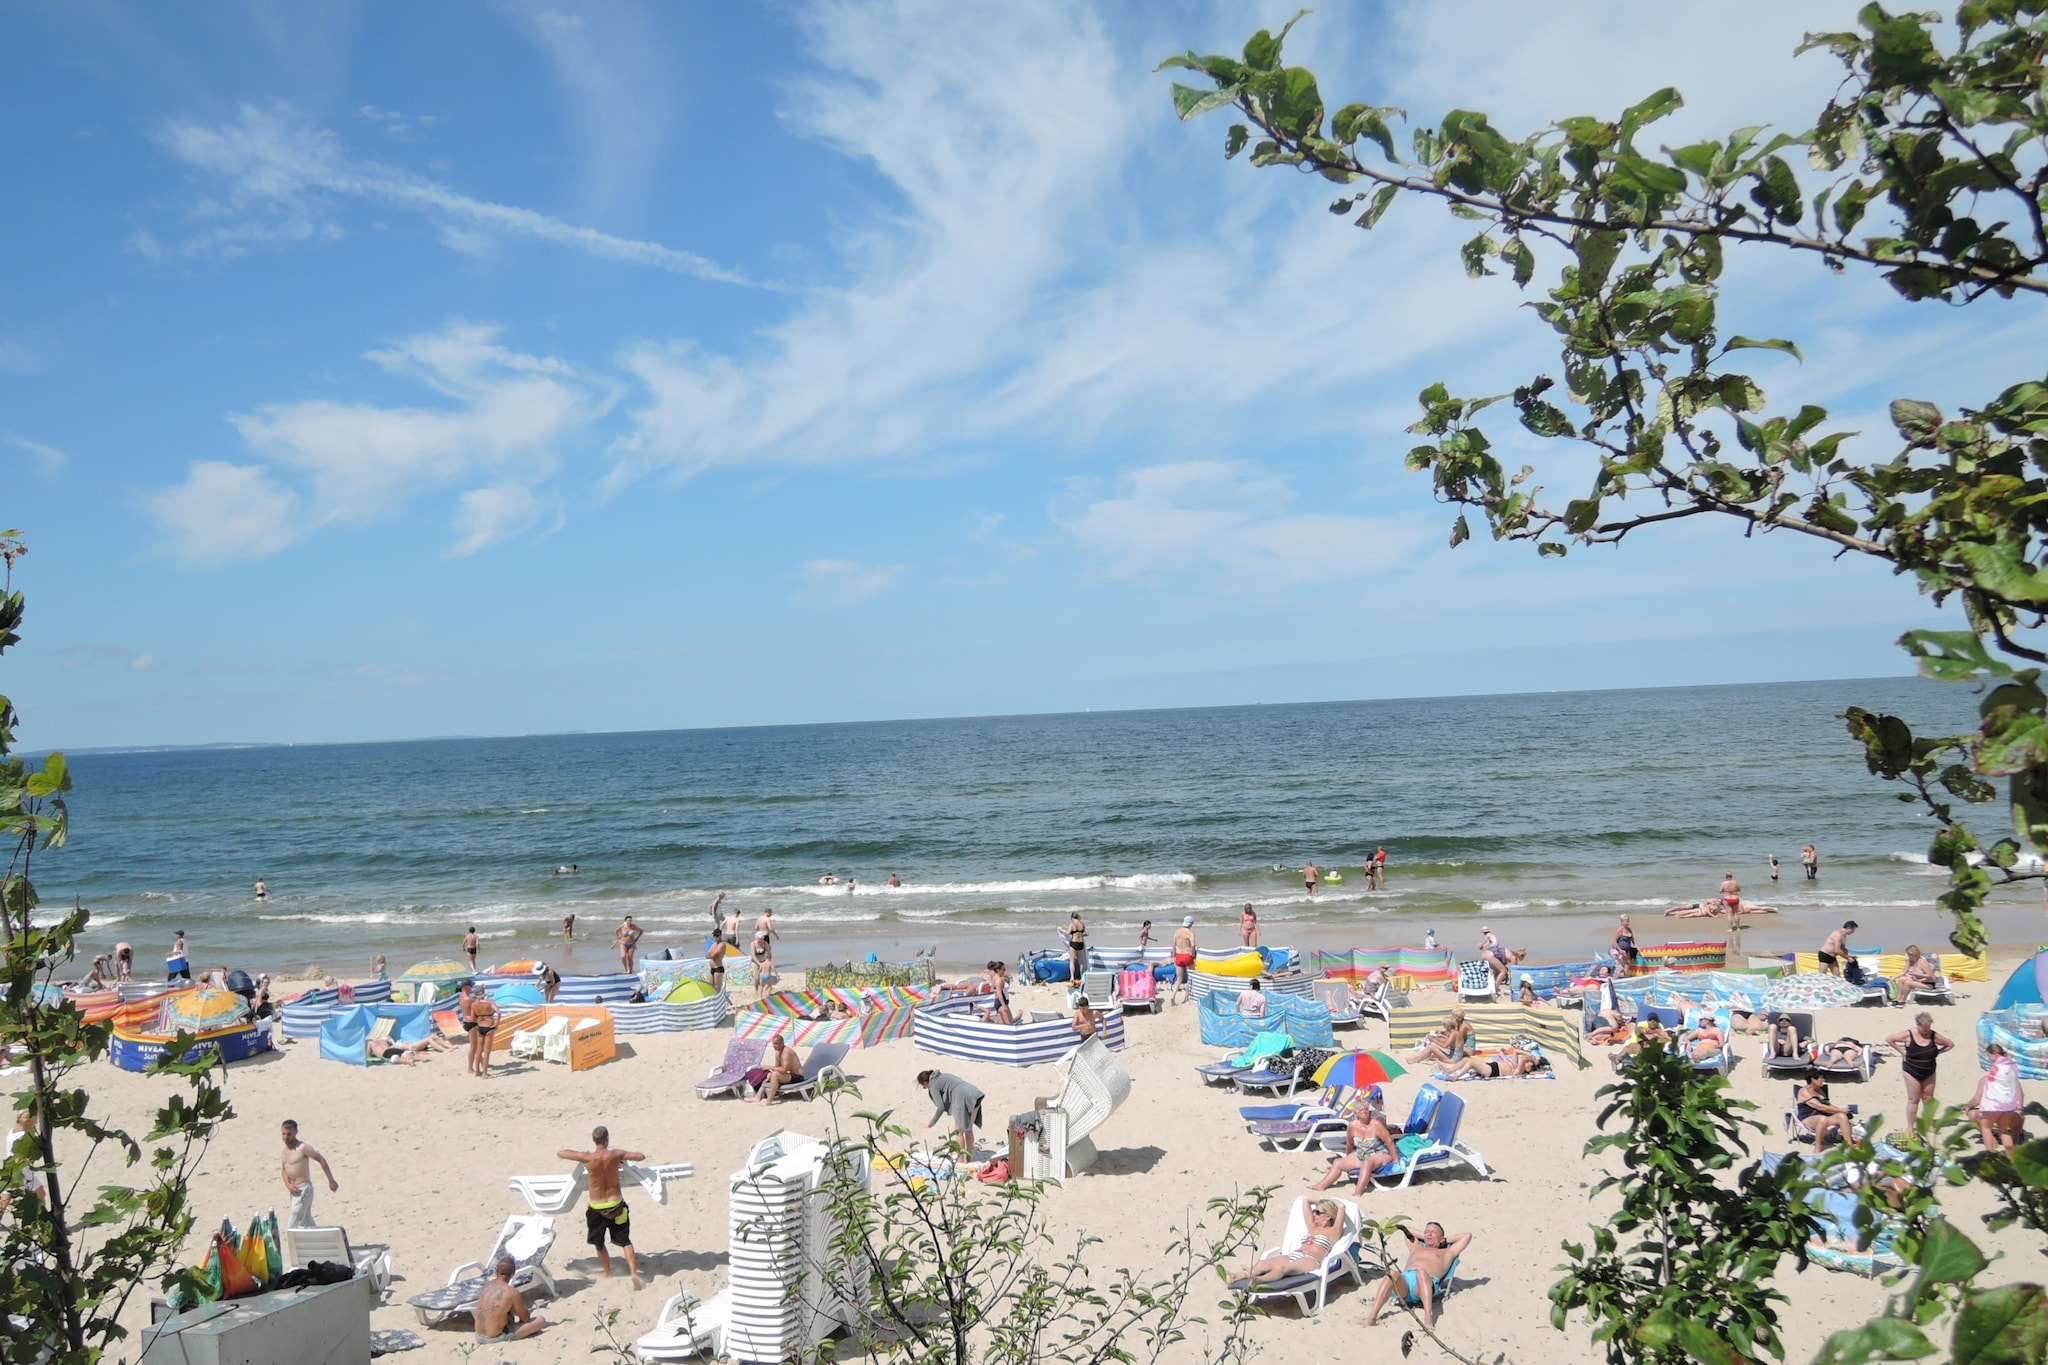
1551 812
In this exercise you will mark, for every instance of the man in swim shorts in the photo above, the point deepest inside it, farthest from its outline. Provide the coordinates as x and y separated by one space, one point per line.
500 1314
1731 899
1183 954
1836 948
1309 875
1430 1258
607 1215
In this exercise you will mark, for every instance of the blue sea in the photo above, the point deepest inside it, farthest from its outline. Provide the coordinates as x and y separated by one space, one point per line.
1542 815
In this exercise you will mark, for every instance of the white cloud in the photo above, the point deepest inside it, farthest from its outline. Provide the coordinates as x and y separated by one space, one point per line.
1233 516
48 458
618 88
279 175
485 516
843 582
361 463
226 511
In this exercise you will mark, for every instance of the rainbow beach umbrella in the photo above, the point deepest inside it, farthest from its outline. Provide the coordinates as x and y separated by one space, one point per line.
1358 1069
202 1010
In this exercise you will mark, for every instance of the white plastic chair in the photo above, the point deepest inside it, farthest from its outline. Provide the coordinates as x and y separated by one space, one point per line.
303 1246
1337 1263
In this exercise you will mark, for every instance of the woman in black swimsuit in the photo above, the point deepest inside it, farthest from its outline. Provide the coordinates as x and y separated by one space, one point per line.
1919 1046
1816 1115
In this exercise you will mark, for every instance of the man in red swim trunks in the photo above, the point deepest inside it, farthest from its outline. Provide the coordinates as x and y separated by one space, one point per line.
1731 896
1183 955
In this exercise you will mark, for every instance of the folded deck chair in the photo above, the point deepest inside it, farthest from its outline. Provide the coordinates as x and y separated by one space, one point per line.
534 1044
551 1193
1801 1057
730 1076
303 1246
1441 1149
1336 997
526 1239
1138 989
1476 981
687 1328
655 1179
1310 1284
823 1063
1330 1099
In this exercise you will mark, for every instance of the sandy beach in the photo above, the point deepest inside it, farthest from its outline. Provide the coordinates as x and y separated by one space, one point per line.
422 1154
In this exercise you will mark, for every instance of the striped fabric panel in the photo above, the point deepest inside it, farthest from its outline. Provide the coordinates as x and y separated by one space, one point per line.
1550 977
1683 957
615 987
1492 1026
1662 987
665 1017
1421 963
862 974
2019 1029
1963 967
1110 959
1306 1022
1202 984
950 1028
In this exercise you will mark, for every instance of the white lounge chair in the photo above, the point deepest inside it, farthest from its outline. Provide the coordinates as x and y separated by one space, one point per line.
558 1193
1099 989
1935 992
1476 981
303 1246
1336 997
526 1239
822 1064
1312 1283
687 1327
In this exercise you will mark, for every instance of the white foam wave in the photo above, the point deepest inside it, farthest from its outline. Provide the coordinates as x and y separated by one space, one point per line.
1137 881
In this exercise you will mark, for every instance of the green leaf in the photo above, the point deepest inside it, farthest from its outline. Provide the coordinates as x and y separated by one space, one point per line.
1916 420
1234 140
1262 51
2030 1163
1878 1339
1649 110
1772 344
1189 102
2003 1326
1474 254
1381 200
1298 105
1947 1256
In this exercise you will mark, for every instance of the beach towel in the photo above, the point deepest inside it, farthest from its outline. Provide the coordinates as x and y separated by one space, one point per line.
1263 1046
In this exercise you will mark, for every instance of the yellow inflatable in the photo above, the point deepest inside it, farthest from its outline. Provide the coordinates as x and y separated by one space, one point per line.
1243 964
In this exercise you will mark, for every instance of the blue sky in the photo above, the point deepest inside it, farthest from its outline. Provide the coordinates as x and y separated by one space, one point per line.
379 371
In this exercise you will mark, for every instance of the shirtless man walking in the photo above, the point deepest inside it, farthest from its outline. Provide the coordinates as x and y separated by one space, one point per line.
470 943
500 1314
607 1214
1309 875
1183 955
1428 1258
298 1175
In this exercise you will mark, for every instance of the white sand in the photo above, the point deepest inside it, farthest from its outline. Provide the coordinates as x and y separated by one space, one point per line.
422 1154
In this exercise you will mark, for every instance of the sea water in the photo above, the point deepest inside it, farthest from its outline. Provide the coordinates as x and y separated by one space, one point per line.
1543 816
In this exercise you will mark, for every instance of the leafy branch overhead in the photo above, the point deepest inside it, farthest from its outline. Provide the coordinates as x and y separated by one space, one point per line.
1929 166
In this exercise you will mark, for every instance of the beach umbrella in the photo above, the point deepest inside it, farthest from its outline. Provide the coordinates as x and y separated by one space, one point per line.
204 1009
686 991
1359 1069
437 972
1811 991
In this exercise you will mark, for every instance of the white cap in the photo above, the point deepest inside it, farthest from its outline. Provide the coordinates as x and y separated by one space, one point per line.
1189 921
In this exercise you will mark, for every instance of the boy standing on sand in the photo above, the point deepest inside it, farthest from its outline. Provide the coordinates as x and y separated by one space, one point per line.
1183 955
607 1215
298 1175
176 962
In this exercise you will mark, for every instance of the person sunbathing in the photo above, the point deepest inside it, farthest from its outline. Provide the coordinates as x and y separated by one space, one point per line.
1922 973
1430 1258
1650 1032
1325 1221
1510 1062
1844 1054
405 1054
1704 1041
1784 1042
1608 1028
1816 1115
1368 1145
779 1065
1448 1043
1527 995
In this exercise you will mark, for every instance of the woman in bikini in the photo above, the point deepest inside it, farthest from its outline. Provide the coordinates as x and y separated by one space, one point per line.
465 1014
1509 1062
1816 1115
1325 1221
1248 927
1919 1047
483 1012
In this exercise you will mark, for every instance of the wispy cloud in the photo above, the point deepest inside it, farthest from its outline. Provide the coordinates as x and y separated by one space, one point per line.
842 582
1232 516
619 89
359 462
48 458
86 656
277 176
393 122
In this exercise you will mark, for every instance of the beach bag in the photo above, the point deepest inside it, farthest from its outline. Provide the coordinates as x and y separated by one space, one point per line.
316 1273
1309 1060
757 1077
1852 972
997 1172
